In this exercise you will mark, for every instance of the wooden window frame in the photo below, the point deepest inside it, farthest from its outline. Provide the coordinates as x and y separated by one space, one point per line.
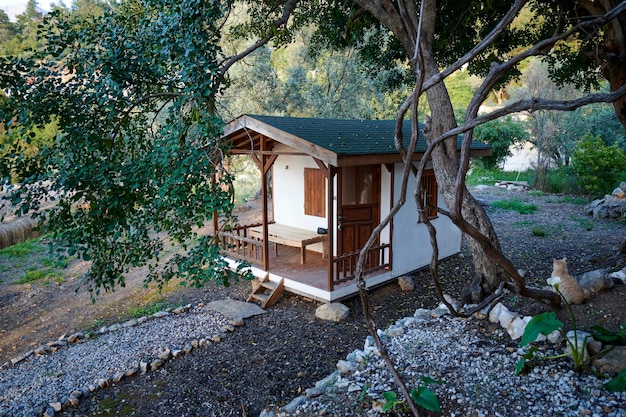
314 192
430 192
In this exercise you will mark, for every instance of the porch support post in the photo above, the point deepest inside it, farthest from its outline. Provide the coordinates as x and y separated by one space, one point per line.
266 252
330 245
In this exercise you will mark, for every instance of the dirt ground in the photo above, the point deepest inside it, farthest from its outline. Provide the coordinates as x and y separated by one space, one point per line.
296 349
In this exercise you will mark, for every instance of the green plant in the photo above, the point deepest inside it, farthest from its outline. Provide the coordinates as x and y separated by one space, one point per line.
605 335
21 250
538 231
546 323
39 274
516 205
422 395
598 166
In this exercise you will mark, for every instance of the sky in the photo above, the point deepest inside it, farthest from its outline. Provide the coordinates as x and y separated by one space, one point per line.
15 7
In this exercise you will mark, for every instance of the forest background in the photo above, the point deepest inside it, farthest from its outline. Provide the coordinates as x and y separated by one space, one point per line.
579 152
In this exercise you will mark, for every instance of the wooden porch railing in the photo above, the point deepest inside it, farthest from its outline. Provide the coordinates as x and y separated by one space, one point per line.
236 242
344 266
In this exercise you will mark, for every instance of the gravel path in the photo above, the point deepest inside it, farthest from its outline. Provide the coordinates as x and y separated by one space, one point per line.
31 385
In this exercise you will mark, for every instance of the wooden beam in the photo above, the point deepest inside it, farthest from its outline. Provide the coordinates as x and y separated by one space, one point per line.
322 166
332 171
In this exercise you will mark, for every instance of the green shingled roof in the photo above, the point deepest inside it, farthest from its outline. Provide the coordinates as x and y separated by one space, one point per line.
350 137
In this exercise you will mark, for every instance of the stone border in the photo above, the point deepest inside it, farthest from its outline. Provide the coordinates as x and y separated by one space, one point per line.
149 365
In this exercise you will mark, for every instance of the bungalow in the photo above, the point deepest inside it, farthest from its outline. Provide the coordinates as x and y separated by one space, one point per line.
331 182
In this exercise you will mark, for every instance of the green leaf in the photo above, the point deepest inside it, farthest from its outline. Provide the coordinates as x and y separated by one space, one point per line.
428 380
544 323
425 398
521 364
617 384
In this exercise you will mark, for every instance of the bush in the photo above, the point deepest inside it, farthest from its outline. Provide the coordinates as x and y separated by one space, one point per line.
599 167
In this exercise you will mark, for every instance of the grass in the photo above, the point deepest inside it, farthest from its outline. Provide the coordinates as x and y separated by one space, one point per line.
22 250
538 231
152 307
39 275
515 205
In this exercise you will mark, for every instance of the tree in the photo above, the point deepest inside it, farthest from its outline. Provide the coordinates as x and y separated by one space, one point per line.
501 135
137 163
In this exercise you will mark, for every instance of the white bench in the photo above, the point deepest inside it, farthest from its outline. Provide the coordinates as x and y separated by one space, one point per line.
290 236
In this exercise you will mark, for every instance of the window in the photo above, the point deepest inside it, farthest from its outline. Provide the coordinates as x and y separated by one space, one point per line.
429 193
314 192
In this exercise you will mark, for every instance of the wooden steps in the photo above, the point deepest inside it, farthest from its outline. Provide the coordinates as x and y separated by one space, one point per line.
266 292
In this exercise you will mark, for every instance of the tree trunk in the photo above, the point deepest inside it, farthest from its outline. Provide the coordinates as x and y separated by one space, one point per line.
446 161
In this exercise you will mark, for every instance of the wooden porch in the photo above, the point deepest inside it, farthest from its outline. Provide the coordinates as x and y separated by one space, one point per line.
287 262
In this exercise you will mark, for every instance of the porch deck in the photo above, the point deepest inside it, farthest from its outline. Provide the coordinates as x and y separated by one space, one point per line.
287 264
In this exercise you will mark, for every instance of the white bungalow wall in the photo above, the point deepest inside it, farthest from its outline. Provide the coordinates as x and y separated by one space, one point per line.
411 241
288 190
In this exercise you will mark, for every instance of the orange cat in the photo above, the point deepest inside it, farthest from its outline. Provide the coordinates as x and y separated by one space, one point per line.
570 288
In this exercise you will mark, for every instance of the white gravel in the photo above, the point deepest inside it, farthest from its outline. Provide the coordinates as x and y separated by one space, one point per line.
35 384
478 377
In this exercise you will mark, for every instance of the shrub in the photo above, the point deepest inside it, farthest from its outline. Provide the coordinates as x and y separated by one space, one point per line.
599 167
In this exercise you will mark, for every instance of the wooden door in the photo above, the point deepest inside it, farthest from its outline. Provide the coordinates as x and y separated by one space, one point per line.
359 208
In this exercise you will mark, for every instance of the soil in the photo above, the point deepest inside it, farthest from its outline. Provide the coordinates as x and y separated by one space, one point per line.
275 357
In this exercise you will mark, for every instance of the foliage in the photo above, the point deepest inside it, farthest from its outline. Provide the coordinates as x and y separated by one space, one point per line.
501 134
422 395
22 151
617 384
515 204
607 336
132 170
546 323
599 167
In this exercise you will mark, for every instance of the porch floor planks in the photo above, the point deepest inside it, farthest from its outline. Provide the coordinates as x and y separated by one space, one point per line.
287 264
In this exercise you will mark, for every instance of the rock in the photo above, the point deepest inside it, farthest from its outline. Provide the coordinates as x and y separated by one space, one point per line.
619 275
49 412
406 283
75 338
595 281
21 357
143 367
294 404
118 377
159 314
156 364
494 314
612 362
332 312
505 318
73 401
130 323
164 353
578 339
131 372
56 406
314 392
115 327
345 367
517 326
237 322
